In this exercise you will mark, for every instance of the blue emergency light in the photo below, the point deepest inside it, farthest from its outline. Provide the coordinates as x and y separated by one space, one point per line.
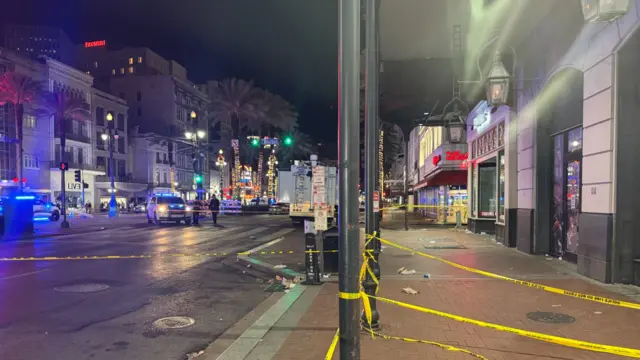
25 197
40 218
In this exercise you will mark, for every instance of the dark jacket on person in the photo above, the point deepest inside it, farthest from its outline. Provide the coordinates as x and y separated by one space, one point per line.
214 205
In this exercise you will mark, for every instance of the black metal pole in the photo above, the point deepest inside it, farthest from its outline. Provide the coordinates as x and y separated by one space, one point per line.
371 150
348 154
406 180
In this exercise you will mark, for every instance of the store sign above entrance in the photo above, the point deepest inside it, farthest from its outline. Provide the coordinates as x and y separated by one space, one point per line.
451 156
488 142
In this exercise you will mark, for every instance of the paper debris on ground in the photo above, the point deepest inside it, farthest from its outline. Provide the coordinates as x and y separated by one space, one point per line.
405 271
409 291
326 276
194 355
297 280
556 305
281 266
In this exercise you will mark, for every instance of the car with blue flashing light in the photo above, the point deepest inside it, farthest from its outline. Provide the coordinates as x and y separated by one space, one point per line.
42 211
168 208
45 211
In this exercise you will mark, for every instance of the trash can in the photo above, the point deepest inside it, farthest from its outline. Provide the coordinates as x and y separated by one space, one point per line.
330 248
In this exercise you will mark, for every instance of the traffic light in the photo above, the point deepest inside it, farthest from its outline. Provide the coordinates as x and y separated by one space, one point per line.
78 175
288 141
197 179
255 142
64 166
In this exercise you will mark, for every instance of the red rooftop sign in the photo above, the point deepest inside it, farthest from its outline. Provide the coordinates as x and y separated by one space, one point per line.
97 43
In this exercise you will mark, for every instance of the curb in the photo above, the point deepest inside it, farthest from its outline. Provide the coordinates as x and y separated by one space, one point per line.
271 310
39 236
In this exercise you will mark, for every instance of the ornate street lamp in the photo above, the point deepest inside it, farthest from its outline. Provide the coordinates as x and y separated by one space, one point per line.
455 129
497 83
604 10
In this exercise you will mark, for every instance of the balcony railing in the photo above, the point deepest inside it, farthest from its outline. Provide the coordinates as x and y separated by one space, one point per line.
128 178
71 135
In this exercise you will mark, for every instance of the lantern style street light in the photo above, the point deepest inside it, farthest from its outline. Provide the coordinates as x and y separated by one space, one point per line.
455 129
110 136
497 83
604 10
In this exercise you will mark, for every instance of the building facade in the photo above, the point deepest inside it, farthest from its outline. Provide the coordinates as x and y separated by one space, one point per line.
549 174
34 41
127 188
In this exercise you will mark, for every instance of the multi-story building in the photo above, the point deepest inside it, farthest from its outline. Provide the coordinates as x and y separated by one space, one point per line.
79 147
37 131
34 41
126 186
104 63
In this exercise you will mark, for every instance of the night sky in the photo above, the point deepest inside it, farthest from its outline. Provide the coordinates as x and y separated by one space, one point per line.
286 46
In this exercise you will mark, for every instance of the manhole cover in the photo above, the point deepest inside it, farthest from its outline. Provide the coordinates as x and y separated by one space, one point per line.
550 318
174 322
81 288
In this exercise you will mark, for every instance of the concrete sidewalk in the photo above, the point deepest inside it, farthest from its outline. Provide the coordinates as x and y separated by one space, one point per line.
466 294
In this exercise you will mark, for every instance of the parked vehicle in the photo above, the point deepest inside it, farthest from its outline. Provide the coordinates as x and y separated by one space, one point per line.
279 209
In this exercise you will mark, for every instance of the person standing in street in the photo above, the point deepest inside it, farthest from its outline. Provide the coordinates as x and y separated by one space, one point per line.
214 206
196 212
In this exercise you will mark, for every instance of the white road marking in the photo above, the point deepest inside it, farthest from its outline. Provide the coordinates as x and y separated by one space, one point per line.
25 274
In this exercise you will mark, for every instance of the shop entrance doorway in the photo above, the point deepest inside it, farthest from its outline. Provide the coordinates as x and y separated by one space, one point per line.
567 184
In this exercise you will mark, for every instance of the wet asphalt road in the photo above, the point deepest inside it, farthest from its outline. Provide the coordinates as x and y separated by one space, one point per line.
38 322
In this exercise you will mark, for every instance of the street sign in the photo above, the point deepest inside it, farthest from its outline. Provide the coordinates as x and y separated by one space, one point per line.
320 218
376 201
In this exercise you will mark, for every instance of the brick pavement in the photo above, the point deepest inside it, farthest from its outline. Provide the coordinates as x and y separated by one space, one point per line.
461 293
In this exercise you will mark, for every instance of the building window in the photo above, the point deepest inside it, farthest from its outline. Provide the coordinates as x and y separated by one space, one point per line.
113 71
165 177
29 121
122 71
122 169
139 112
99 141
95 64
157 178
120 121
139 96
130 69
487 188
121 145
99 116
130 61
30 162
139 59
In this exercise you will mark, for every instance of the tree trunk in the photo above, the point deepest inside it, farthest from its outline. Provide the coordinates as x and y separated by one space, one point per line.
19 112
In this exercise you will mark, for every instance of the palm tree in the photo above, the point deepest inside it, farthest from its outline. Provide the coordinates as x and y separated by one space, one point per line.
302 146
18 89
63 108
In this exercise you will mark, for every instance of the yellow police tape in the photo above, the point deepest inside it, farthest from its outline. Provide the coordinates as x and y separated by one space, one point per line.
594 298
332 348
584 345
336 337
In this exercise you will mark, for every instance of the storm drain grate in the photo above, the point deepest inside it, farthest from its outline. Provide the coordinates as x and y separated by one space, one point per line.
81 288
550 318
174 322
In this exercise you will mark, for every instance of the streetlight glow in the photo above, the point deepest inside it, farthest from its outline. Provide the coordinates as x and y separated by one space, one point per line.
220 151
188 134
201 134
193 114
104 137
109 116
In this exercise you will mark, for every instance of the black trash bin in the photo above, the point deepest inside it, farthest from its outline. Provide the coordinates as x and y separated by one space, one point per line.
330 248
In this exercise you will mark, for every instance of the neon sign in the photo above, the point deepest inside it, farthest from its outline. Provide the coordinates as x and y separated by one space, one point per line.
97 43
457 155
451 156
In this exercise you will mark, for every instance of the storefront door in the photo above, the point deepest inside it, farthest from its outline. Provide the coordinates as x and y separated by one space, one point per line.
567 182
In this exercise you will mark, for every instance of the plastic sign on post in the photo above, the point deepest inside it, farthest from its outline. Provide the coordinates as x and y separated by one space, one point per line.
376 201
319 198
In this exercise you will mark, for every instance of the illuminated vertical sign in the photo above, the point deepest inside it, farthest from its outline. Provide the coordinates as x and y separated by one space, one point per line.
97 43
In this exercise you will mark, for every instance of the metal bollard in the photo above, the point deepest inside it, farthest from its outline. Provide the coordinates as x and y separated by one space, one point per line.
311 259
458 219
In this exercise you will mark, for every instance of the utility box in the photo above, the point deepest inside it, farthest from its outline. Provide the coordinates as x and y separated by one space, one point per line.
18 215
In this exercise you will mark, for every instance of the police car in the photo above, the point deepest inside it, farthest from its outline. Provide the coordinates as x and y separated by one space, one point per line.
43 211
168 208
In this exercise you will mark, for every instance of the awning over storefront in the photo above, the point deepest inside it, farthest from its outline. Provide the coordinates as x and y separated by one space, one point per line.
446 177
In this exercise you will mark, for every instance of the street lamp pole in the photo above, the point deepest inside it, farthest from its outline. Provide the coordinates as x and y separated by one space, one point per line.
197 165
372 73
348 154
113 207
221 163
